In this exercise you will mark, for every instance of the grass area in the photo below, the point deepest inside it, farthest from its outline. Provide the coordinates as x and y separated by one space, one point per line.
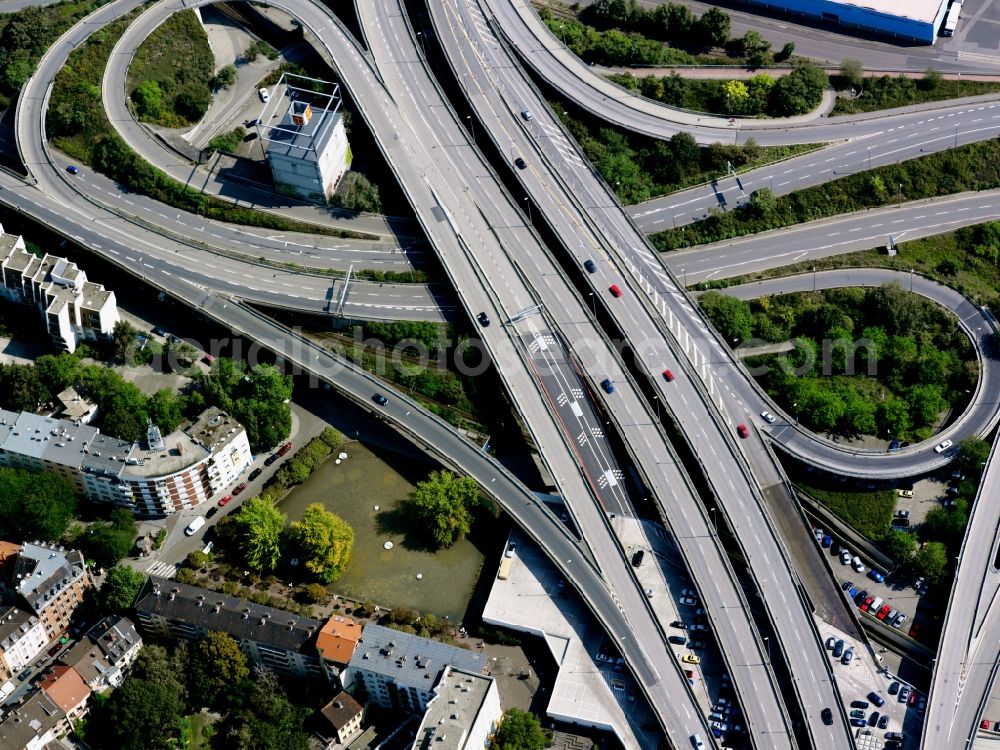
228 142
886 92
947 258
169 78
870 513
195 731
77 125
972 167
639 168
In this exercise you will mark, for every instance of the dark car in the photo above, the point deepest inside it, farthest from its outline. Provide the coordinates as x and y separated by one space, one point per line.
875 698
680 624
24 675
680 640
484 319
838 649
893 687
255 473
590 266
637 558
859 704
159 331
608 386
827 715
894 446
884 721
211 512
239 488
379 399
520 163
858 723
873 719
271 459
72 169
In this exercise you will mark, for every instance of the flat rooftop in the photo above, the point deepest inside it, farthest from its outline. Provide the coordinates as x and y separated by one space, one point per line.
917 10
451 714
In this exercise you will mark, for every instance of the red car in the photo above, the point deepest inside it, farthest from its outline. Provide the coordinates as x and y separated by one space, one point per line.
868 600
284 449
615 291
913 698
225 500
914 630
883 612
742 431
668 376
239 488
984 724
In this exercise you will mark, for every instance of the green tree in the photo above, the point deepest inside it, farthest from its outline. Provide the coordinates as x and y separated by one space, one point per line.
325 540
192 102
763 201
140 715
35 505
442 506
853 72
786 52
737 96
19 388
166 410
519 730
123 342
730 316
757 49
108 543
260 525
971 455
148 100
226 77
931 561
713 27
216 664
120 587
685 149
932 79
264 719
898 545
58 372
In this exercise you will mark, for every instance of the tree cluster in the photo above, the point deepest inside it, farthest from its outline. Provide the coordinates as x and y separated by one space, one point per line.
258 398
441 507
520 730
107 542
121 586
35 505
357 193
921 363
668 22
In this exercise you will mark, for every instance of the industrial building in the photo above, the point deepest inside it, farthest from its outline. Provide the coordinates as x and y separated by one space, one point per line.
915 20
307 149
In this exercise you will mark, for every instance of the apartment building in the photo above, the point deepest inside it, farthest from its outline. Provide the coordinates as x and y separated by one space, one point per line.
399 671
50 583
75 310
463 713
22 639
277 639
345 715
70 693
32 725
103 657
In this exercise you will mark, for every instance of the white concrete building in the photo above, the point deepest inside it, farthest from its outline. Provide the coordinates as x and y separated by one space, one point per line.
463 713
75 309
22 638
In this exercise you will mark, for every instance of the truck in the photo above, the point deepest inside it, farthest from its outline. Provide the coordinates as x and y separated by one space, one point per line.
193 527
951 20
505 565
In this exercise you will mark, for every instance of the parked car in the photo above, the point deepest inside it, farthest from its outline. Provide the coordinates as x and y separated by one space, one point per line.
857 713
511 549
264 95
847 657
875 698
687 601
696 645
857 565
159 332
838 649
680 624
680 640
893 687
904 493
859 704
691 659
901 523
846 585
830 643
867 603
858 723
883 722
818 533
893 446
255 473
826 542
904 694
284 449
224 501
883 611
899 620
211 512
876 576
845 557
239 488
902 514
271 459
912 700
873 719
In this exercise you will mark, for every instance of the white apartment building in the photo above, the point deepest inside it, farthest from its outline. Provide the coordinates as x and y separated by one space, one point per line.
22 639
462 715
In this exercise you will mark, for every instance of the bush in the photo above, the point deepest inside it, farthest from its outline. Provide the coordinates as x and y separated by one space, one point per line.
228 142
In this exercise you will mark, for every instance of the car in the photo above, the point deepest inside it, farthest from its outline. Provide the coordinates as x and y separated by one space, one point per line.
883 721
951 503
860 597
637 558
859 704
171 339
526 114
379 399
867 603
857 713
883 611
689 592
921 704
827 716
483 318
914 630
680 640
250 123
918 583
876 576
679 624
876 605
953 491
668 376
511 549
852 593
957 476
768 417
873 719
912 700
893 745
838 649
608 386
697 742
687 601
271 459
264 95
830 643
857 565
649 593
225 500
211 512
699 627
239 488
159 332
826 542
891 616
943 446
893 687
590 266
898 620
255 473
901 523
877 699
845 557
893 446
858 723
847 657
902 514
818 533
984 724
208 547
904 694
24 675
922 590
284 449
905 493
742 431
696 645
691 659
835 548
615 290
847 585
520 163
73 169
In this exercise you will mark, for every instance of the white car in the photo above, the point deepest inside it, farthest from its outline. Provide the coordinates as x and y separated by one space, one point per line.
818 533
768 417
845 557
687 601
858 566
264 95
511 548
943 446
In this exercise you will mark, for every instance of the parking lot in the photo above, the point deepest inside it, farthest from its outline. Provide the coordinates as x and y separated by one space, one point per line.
863 676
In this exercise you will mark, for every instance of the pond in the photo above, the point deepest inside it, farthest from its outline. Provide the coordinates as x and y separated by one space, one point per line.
353 490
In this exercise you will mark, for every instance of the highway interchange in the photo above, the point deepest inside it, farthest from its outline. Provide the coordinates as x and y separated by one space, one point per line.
481 236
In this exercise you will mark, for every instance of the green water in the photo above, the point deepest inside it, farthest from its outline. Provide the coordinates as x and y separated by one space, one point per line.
388 578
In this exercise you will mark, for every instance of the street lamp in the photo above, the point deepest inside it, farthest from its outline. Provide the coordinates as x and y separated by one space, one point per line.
767 645
795 406
593 303
657 402
911 279
900 193
472 128
715 523
527 202
142 269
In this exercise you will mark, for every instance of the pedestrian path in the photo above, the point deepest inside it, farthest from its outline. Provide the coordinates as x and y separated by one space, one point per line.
162 569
